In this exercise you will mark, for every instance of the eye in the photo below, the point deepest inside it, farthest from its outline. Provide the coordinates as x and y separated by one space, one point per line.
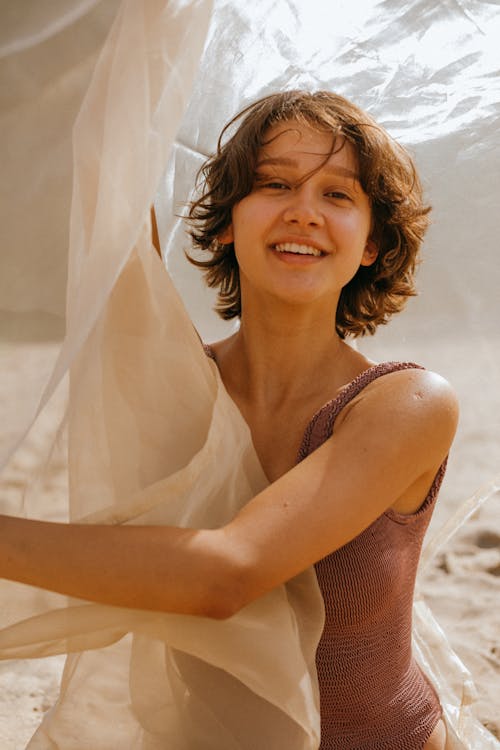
270 182
338 195
274 185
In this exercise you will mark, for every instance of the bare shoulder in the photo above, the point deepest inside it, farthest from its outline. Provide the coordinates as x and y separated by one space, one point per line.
413 385
406 386
384 452
412 401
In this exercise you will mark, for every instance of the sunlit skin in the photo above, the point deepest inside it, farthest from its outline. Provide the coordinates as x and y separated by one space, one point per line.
327 210
301 196
289 299
285 361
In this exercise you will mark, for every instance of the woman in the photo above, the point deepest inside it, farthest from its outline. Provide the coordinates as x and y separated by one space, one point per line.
314 218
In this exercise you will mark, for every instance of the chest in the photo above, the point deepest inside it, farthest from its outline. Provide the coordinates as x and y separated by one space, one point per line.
277 436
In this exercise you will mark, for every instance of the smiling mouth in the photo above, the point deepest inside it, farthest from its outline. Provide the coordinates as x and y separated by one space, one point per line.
292 247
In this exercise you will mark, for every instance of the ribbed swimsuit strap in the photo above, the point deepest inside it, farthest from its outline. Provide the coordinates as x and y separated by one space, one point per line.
322 423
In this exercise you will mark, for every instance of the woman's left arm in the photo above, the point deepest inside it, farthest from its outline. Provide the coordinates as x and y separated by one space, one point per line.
391 438
158 568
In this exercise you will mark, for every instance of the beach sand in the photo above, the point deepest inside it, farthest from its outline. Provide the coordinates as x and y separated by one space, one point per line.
462 587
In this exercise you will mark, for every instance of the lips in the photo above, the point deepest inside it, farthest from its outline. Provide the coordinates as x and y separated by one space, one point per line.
298 249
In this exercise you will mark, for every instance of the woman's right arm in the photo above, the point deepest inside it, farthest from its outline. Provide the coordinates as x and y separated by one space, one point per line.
155 238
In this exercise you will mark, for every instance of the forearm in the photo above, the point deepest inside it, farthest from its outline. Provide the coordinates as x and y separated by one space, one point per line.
157 568
154 232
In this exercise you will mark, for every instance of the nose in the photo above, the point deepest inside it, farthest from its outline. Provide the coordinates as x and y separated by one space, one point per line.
302 208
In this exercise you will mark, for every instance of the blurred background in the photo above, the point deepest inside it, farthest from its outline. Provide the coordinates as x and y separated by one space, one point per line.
428 72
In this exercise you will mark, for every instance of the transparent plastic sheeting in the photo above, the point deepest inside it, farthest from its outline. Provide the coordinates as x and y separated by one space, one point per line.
148 416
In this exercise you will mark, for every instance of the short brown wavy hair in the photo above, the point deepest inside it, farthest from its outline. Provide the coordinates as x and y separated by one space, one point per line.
387 175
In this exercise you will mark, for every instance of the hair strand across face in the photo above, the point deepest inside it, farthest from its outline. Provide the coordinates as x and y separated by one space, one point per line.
387 175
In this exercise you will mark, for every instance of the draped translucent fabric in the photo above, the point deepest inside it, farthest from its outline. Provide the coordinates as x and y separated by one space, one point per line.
152 435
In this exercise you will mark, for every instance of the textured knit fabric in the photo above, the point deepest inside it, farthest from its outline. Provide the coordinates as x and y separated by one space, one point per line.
373 695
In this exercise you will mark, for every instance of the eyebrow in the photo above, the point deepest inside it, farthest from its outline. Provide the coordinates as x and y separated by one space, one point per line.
285 161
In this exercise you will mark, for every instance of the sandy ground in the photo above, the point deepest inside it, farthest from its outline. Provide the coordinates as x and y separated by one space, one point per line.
462 587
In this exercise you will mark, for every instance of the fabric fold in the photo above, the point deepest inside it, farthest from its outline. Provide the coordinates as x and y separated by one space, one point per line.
153 436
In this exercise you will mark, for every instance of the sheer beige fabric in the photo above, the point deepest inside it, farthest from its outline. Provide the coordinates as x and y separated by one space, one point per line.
153 436
199 468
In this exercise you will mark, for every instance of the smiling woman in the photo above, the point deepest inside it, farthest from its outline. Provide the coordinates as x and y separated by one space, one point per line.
296 144
304 200
354 453
247 517
318 233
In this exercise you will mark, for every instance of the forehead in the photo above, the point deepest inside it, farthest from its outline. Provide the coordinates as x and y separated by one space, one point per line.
299 144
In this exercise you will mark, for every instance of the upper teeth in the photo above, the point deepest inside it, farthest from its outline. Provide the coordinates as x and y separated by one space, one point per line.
291 247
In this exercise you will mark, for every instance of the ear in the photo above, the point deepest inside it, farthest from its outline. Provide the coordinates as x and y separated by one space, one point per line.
226 237
370 253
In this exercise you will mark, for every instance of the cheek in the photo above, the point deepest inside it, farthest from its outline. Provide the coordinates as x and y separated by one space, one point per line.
250 219
359 224
351 229
239 222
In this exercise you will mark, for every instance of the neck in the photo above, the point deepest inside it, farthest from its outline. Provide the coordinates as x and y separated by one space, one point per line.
282 355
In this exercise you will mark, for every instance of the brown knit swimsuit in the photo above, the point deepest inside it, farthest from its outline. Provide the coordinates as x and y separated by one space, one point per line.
373 694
